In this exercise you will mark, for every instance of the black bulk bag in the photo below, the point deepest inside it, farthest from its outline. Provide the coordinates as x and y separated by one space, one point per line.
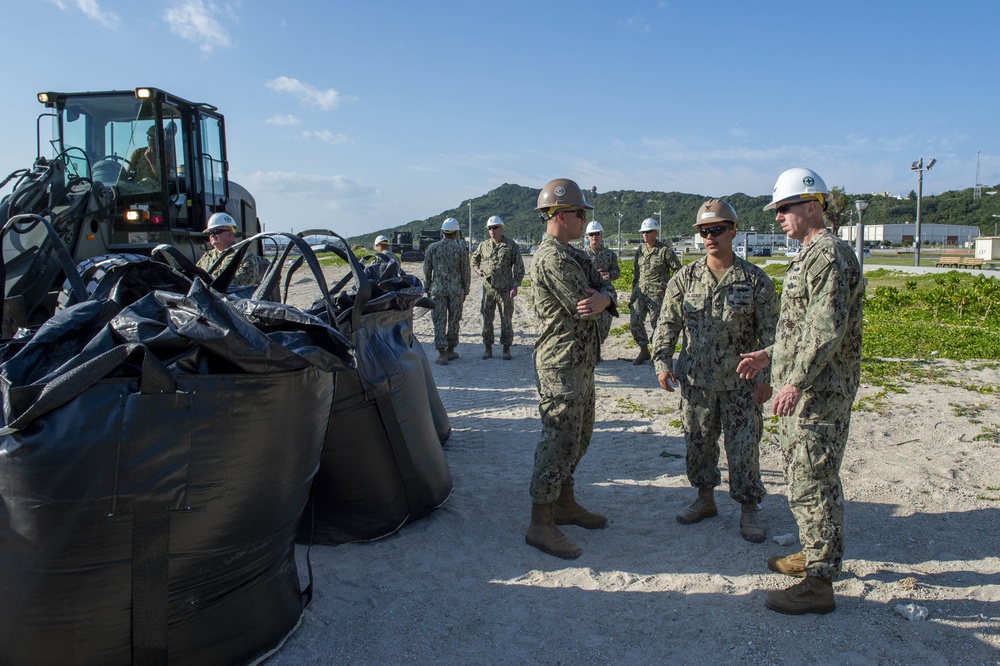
148 512
382 464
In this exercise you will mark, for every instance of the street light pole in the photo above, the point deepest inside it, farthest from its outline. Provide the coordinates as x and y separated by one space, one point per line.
919 167
995 227
862 206
619 233
470 225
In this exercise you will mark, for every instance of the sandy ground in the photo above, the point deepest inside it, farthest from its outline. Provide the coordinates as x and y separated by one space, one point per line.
461 586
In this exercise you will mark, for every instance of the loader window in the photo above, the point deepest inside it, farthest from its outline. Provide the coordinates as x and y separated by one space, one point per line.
213 167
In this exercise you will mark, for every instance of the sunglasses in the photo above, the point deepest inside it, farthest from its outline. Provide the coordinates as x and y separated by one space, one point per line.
715 231
784 208
598 233
580 214
216 232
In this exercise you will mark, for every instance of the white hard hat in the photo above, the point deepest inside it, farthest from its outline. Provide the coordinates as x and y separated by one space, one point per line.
649 224
450 224
595 228
219 220
798 183
494 221
381 239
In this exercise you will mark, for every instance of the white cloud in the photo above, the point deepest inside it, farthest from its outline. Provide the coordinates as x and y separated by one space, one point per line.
283 120
308 185
309 95
93 11
105 17
326 136
637 22
196 22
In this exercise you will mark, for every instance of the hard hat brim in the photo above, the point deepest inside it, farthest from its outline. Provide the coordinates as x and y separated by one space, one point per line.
713 220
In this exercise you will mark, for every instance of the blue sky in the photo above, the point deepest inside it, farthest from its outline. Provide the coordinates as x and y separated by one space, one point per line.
358 116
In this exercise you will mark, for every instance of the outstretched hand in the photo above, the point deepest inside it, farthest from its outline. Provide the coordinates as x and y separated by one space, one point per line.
752 363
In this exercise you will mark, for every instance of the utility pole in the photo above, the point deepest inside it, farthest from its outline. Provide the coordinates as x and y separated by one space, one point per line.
919 167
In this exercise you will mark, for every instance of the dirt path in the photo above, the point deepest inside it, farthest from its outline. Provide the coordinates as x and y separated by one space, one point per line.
923 489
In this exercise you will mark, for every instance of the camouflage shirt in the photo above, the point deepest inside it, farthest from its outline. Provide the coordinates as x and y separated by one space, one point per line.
446 268
653 268
560 275
501 262
250 270
605 260
719 320
818 340
389 255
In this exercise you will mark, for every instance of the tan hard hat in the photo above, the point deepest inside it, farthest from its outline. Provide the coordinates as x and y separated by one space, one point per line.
715 210
561 193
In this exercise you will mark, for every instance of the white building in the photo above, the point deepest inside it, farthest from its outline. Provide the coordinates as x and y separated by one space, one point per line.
988 248
753 240
902 234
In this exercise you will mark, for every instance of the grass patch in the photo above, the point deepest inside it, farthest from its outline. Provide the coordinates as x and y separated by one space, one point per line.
629 406
618 331
972 412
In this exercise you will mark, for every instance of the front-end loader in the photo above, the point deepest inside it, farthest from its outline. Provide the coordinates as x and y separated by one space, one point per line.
126 172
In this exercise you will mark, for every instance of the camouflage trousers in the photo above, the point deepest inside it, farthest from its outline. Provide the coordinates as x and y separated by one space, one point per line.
813 444
643 307
492 301
566 408
706 414
447 315
604 325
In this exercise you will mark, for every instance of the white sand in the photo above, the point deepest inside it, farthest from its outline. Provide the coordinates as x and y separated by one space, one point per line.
462 587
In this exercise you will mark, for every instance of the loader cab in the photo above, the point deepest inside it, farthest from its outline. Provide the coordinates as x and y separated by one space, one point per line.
158 160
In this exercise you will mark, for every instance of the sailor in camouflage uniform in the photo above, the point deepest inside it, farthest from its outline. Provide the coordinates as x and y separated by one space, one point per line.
723 305
498 261
447 279
221 232
569 296
652 267
382 247
816 362
606 262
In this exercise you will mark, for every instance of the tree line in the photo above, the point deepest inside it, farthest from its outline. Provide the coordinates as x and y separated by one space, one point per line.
516 205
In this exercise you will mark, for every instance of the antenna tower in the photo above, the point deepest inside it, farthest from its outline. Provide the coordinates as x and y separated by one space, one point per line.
977 191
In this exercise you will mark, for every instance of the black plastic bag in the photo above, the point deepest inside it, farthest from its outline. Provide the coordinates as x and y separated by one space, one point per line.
382 464
150 499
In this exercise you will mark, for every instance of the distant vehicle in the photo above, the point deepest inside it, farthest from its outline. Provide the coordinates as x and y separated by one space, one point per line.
866 253
794 252
762 252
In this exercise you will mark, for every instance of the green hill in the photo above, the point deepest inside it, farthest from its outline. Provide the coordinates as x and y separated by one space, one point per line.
516 205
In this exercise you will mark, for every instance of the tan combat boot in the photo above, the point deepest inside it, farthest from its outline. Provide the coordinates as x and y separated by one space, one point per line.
790 565
452 354
568 512
442 358
545 536
488 353
811 595
750 527
506 353
701 508
643 355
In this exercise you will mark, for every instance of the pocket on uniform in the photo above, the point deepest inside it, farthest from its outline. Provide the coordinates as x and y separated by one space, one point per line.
823 447
560 384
